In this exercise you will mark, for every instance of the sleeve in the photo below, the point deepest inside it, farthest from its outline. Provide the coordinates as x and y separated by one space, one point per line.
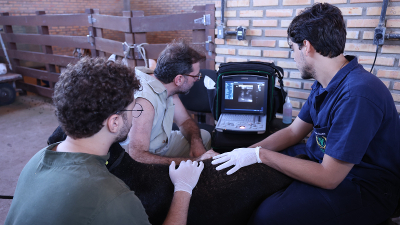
124 209
305 111
355 121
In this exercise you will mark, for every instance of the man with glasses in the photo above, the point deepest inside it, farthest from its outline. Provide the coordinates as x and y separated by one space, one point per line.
353 175
151 140
68 182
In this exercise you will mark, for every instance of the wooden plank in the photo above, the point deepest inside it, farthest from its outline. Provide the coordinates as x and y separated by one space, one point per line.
39 74
46 20
53 40
154 50
60 60
117 23
47 92
166 22
110 46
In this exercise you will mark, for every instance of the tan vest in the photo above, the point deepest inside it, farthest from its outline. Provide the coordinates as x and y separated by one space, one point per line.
155 92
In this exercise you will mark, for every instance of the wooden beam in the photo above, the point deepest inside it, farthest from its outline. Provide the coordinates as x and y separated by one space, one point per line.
38 74
53 40
47 92
60 60
166 22
117 23
46 20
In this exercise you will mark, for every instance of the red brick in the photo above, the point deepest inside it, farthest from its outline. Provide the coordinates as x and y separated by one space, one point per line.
219 59
219 41
238 3
364 1
263 43
295 75
283 44
351 11
393 23
236 60
368 35
230 13
265 2
396 97
360 47
298 94
391 49
253 32
237 42
362 22
275 33
392 74
307 85
296 2
275 54
249 52
396 86
352 34
334 1
251 13
292 83
382 61
265 23
225 51
278 12
287 64
376 11
236 23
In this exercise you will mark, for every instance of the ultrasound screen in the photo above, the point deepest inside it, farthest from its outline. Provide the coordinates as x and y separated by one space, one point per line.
244 96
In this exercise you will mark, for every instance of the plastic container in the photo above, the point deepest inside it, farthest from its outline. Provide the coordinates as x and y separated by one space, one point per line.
287 112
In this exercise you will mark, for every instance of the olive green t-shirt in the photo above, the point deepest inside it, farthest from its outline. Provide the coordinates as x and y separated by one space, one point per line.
72 188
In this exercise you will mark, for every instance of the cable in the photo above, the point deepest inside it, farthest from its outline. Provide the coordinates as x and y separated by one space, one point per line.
376 53
6 197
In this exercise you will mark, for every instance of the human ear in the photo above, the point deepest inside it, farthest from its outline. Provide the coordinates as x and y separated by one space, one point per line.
179 80
113 123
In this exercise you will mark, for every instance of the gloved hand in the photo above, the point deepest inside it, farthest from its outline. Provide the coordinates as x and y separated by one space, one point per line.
239 157
186 176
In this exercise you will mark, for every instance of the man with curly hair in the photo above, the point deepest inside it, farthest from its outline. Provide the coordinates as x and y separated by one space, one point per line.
152 140
68 182
353 176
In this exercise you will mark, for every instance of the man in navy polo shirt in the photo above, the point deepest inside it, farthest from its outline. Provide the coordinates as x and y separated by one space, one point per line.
354 173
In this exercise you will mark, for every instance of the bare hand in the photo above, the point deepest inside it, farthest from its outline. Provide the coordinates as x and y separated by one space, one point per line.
207 155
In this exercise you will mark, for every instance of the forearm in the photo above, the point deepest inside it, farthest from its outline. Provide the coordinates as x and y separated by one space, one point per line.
191 132
279 140
178 211
303 170
149 158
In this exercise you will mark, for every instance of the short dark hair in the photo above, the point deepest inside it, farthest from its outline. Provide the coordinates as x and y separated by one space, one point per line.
323 26
90 91
177 58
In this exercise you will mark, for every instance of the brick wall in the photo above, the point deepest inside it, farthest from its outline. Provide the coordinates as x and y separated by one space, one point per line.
29 7
165 7
267 22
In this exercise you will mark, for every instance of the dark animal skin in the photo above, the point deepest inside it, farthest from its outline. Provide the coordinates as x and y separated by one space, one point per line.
217 199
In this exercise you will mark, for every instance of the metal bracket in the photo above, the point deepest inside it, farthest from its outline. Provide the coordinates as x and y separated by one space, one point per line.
90 38
91 19
205 20
209 45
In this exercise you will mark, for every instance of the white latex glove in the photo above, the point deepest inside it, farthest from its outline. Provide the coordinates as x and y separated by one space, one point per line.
239 157
186 176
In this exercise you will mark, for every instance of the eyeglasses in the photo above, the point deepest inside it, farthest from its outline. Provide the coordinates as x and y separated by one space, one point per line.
136 111
198 76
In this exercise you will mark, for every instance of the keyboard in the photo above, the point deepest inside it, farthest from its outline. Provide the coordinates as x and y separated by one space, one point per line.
242 123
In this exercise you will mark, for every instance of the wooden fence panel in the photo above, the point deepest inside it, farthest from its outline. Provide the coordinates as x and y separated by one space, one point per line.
166 22
53 40
60 60
116 23
38 74
46 20
110 46
43 91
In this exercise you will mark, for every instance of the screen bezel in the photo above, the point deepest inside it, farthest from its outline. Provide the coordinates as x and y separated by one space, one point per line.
241 78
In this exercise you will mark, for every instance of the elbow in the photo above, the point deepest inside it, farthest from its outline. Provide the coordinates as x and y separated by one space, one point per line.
330 184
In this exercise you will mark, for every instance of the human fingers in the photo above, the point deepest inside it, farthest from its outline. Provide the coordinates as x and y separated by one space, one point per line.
221 160
225 165
234 169
221 155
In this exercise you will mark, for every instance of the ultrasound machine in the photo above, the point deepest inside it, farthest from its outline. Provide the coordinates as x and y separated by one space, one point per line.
243 104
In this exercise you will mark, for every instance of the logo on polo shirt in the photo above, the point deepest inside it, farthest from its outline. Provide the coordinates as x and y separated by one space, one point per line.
321 141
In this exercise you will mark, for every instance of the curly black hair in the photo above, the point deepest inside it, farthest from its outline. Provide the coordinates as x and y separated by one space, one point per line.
323 26
88 92
177 58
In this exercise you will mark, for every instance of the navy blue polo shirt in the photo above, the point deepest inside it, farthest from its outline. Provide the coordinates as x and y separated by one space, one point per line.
355 120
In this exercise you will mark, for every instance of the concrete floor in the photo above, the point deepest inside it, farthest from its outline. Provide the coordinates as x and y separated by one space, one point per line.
25 126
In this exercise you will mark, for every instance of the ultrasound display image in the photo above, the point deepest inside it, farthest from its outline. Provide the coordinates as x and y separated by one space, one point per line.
244 96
